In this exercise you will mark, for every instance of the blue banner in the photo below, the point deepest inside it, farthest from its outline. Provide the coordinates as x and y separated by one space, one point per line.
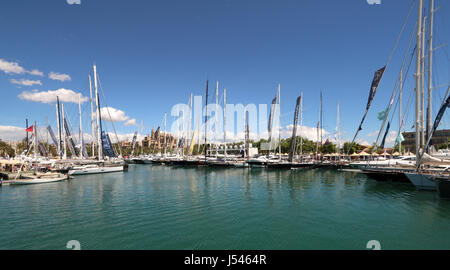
107 146
52 135
41 146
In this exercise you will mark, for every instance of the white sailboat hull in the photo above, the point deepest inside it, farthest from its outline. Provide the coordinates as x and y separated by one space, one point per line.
97 170
36 181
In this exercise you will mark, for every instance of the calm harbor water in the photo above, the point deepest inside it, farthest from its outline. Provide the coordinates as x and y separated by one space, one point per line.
159 207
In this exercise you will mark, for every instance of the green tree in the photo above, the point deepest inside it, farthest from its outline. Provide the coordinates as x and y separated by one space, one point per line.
6 149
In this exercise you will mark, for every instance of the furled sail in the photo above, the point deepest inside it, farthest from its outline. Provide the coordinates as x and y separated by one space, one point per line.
69 139
133 143
294 131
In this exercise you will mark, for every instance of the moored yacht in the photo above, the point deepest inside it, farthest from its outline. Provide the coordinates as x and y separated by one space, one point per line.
95 169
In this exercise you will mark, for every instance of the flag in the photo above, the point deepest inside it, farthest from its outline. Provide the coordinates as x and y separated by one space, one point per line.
107 146
400 138
373 89
385 135
383 115
326 142
30 129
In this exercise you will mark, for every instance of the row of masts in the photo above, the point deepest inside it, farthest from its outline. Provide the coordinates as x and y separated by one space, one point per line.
421 135
96 124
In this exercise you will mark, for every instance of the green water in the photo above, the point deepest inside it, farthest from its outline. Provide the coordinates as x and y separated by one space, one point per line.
158 207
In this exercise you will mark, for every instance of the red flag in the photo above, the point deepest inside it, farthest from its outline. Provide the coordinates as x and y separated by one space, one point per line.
30 129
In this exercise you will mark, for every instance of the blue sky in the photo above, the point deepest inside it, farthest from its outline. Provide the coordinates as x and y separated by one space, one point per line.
151 54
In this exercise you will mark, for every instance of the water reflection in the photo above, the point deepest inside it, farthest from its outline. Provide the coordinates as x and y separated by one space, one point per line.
184 208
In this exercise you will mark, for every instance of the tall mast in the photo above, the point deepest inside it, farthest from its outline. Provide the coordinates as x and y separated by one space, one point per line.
301 124
35 147
58 122
165 134
217 117
400 97
247 136
64 132
142 133
245 132
206 118
26 127
99 131
321 119
422 92
199 120
92 117
46 134
338 143
430 68
81 127
418 77
318 127
35 140
225 120
190 133
279 120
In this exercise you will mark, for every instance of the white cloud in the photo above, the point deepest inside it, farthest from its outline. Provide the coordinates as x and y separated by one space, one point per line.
131 122
76 2
65 95
15 68
26 82
309 133
372 2
11 67
124 137
36 72
392 136
113 115
59 77
372 134
11 133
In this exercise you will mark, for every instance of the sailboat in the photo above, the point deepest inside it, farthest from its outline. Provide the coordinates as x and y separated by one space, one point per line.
425 178
103 143
37 177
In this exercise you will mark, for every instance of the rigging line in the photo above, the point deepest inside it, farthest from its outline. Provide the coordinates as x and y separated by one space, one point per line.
400 34
404 80
396 87
107 108
389 59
